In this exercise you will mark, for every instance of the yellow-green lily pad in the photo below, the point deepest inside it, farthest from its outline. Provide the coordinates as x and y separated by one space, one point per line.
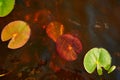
18 32
6 6
97 58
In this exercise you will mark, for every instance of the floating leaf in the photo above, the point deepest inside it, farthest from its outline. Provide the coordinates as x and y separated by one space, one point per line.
68 47
97 57
6 6
90 60
54 30
18 32
111 69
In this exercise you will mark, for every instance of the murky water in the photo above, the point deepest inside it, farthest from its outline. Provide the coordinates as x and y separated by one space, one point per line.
95 22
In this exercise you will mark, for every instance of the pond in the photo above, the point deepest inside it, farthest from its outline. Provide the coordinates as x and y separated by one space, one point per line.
58 34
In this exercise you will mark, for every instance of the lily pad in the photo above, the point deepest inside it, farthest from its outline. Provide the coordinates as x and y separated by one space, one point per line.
6 6
54 30
18 32
68 47
97 58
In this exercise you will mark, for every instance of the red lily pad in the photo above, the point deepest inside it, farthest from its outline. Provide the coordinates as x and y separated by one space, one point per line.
68 47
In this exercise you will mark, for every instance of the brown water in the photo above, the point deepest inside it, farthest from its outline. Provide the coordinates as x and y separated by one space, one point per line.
94 22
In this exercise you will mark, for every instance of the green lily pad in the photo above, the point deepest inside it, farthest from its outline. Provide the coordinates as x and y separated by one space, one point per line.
6 6
97 58
18 32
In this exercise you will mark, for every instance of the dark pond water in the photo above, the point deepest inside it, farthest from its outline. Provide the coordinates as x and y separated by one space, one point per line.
95 22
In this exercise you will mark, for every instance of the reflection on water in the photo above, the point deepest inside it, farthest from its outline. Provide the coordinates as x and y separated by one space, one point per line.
94 22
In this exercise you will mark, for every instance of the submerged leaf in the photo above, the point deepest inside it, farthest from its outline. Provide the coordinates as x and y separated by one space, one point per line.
6 6
18 32
1 75
54 30
68 47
